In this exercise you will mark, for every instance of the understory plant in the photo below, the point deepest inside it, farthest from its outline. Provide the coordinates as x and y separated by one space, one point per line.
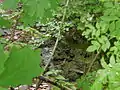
97 20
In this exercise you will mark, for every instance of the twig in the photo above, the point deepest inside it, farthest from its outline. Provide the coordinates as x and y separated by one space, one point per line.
93 61
59 34
56 43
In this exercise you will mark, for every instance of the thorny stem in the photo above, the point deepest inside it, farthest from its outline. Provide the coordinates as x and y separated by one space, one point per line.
59 34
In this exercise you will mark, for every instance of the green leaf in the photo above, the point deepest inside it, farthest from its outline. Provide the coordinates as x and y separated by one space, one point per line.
115 33
38 10
103 63
118 24
112 60
3 88
34 10
106 45
92 48
108 4
59 77
3 58
109 18
83 84
21 66
96 43
112 26
97 33
101 78
105 42
104 26
4 23
10 4
96 86
97 25
90 26
108 11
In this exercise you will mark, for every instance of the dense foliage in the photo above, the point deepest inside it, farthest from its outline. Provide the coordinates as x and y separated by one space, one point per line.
96 21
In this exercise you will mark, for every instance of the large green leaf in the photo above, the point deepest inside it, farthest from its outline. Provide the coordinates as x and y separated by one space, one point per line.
3 88
3 58
4 23
34 10
10 4
21 66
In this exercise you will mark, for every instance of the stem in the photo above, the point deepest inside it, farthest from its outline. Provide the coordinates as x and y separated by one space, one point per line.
59 34
56 43
93 62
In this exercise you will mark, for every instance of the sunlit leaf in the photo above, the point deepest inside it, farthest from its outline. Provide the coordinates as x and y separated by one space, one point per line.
112 60
103 63
92 48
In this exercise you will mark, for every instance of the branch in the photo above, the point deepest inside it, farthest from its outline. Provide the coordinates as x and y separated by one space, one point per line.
56 43
59 34
93 61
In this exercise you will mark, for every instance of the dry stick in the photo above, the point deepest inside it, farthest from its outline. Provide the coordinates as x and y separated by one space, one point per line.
59 34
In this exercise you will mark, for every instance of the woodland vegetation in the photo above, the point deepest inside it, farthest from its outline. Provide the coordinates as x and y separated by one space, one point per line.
59 45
